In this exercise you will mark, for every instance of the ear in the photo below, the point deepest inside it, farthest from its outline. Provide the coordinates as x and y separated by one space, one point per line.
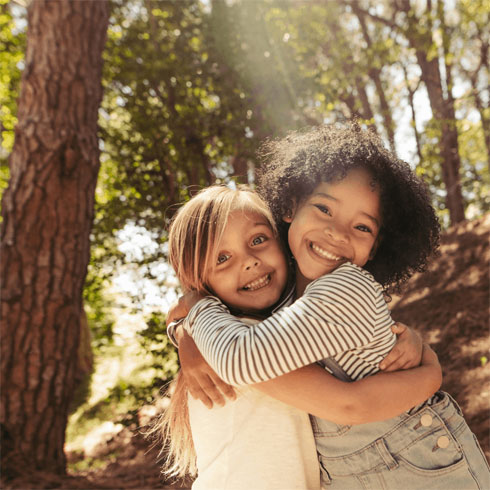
288 217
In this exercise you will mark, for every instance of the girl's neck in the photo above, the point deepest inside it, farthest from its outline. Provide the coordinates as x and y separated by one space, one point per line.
301 282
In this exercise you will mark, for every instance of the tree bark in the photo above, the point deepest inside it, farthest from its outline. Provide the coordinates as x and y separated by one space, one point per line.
375 75
443 111
47 213
411 103
420 39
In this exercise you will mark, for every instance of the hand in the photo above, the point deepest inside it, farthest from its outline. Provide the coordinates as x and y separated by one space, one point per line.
182 306
203 383
407 352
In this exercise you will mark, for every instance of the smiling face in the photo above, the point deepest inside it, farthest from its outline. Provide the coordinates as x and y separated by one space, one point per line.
249 270
338 222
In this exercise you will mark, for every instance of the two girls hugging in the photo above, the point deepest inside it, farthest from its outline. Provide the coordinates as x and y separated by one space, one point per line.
286 303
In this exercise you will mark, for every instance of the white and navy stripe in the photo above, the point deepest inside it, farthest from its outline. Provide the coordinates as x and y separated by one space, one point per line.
342 315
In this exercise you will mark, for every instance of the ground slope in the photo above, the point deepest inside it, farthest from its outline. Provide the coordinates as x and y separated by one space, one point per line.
449 306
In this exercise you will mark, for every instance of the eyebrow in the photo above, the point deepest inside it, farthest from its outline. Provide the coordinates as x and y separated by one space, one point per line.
262 223
328 196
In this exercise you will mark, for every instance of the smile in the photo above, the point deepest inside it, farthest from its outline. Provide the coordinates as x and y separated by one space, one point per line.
324 253
258 283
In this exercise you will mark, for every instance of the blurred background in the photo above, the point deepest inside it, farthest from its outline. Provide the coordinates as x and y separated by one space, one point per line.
190 89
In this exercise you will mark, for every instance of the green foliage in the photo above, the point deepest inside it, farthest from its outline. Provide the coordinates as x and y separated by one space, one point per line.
169 115
12 47
475 179
92 464
154 340
191 88
98 304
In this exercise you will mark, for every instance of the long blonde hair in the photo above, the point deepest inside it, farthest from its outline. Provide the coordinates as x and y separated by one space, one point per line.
194 235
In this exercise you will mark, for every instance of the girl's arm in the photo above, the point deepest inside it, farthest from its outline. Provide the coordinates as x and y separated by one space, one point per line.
202 381
377 397
205 385
328 319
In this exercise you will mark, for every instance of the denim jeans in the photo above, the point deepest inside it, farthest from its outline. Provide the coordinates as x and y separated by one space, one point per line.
432 448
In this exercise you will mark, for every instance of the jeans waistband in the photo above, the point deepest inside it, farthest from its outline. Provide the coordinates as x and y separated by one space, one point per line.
444 413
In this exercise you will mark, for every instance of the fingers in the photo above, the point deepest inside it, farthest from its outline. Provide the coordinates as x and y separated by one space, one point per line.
392 360
227 390
212 391
399 364
205 389
399 359
398 328
198 394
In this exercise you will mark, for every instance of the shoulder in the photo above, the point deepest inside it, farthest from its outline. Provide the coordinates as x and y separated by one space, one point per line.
348 280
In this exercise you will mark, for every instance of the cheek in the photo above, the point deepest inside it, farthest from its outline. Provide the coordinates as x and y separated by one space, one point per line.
293 236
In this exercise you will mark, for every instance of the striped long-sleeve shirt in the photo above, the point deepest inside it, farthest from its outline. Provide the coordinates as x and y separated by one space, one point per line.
342 315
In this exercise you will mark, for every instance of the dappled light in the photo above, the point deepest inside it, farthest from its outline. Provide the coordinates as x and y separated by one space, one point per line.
115 113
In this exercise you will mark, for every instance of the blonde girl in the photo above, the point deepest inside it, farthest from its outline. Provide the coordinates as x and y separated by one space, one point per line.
223 242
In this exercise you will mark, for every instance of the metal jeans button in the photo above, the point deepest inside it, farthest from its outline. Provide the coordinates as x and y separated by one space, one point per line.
443 442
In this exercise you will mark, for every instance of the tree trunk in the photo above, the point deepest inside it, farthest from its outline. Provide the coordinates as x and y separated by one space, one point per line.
411 103
443 111
419 36
375 75
47 217
448 143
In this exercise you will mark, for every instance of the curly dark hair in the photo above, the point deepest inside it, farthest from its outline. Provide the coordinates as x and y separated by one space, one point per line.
292 167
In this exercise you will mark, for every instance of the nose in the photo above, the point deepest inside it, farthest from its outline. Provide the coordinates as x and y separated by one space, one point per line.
336 232
251 262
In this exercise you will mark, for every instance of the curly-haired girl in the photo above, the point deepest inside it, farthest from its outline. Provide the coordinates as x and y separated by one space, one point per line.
358 222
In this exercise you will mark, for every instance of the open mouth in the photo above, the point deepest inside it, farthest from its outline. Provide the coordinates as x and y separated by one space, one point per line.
324 253
258 283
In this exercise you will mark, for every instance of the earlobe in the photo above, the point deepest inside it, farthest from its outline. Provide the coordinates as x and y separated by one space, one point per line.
288 217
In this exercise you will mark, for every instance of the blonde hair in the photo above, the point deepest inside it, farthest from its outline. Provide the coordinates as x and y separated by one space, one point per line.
194 235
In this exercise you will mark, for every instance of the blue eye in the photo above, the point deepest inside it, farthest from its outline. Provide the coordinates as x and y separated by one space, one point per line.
258 240
323 209
222 258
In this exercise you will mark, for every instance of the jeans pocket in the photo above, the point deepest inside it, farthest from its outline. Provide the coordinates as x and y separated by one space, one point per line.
435 453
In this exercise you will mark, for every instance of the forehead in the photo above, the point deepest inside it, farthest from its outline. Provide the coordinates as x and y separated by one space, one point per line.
354 181
246 217
357 189
240 224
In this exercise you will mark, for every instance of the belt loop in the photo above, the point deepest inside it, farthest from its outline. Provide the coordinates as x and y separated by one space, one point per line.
454 403
385 454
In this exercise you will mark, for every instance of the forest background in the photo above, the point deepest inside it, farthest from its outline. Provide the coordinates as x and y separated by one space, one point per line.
190 89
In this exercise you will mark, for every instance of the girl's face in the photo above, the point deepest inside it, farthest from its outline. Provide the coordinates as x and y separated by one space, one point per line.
250 270
338 222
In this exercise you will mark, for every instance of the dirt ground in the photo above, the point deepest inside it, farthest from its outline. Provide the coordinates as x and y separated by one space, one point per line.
448 305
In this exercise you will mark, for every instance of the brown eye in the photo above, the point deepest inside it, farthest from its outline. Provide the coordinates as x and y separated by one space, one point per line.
364 228
323 209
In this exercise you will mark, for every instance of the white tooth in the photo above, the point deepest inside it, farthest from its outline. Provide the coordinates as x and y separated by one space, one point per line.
324 253
258 283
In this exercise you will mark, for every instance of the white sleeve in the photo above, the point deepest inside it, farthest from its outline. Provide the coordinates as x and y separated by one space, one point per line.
337 313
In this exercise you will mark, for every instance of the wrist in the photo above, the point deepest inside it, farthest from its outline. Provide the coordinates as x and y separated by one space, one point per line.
175 331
